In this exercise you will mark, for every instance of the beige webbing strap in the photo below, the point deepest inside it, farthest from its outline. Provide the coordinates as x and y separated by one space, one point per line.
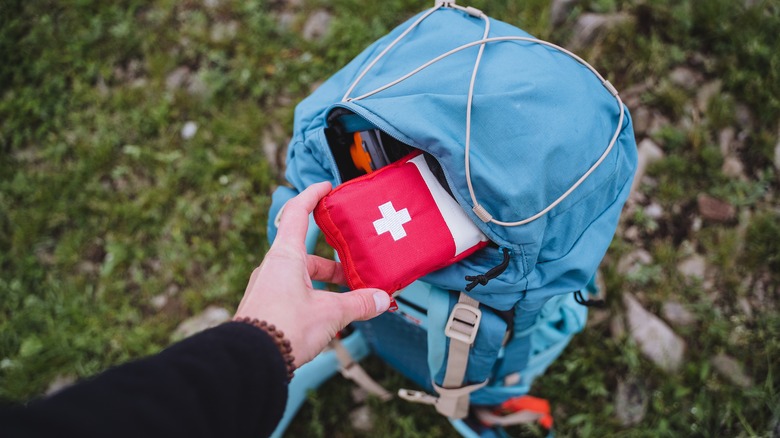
353 371
461 328
451 394
454 402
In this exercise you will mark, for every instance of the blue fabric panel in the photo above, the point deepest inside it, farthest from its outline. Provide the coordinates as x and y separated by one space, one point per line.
533 351
483 353
540 119
401 344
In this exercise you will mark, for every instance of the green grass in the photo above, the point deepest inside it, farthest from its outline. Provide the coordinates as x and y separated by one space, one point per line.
103 204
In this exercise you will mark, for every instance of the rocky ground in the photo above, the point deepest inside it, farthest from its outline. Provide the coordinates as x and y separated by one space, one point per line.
647 312
140 145
649 323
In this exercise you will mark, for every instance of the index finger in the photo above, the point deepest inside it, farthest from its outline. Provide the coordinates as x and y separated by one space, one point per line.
322 269
295 217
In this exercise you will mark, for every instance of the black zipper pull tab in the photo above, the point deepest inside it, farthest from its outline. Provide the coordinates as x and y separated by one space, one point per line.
599 304
489 275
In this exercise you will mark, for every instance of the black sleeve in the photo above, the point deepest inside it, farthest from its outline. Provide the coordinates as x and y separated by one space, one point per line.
227 381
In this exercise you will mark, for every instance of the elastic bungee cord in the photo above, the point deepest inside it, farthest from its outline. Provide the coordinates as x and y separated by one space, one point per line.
477 208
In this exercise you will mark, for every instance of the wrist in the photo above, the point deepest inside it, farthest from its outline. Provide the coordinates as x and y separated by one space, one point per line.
282 343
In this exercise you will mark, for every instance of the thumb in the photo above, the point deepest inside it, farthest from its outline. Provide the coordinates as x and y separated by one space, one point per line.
362 304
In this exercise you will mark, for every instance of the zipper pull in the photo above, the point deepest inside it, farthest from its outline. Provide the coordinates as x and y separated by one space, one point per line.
489 275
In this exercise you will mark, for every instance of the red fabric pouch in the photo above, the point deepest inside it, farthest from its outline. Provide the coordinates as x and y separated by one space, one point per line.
395 225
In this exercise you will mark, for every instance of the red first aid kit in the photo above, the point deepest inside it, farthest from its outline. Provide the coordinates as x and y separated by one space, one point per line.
395 225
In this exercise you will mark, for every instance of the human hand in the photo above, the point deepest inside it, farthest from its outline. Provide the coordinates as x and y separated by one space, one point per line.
280 290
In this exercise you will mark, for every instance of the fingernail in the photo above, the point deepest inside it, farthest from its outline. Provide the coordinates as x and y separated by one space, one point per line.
382 301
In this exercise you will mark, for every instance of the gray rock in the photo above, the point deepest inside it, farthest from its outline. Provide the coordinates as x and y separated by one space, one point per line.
714 209
177 78
696 224
132 71
694 266
732 370
617 327
733 168
559 10
182 77
648 152
654 211
159 301
689 119
706 93
632 96
685 77
139 83
641 118
270 147
286 19
659 122
740 336
701 61
212 316
317 25
631 402
777 151
631 233
596 317
59 383
590 25
655 339
196 86
359 395
743 225
362 419
274 146
634 260
223 32
745 307
45 256
744 117
101 86
677 314
726 139
189 130
284 99
88 267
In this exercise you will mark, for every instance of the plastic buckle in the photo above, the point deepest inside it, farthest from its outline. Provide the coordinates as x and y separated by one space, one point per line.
445 3
463 323
416 396
347 370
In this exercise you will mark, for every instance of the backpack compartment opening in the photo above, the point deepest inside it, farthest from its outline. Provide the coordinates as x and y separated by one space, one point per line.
358 147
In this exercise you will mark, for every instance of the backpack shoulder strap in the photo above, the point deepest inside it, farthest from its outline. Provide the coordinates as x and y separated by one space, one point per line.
352 370
463 344
461 329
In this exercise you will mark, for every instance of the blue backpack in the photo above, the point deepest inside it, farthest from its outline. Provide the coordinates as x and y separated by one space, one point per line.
538 150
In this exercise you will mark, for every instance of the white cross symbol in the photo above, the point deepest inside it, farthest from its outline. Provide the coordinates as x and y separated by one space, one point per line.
392 221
